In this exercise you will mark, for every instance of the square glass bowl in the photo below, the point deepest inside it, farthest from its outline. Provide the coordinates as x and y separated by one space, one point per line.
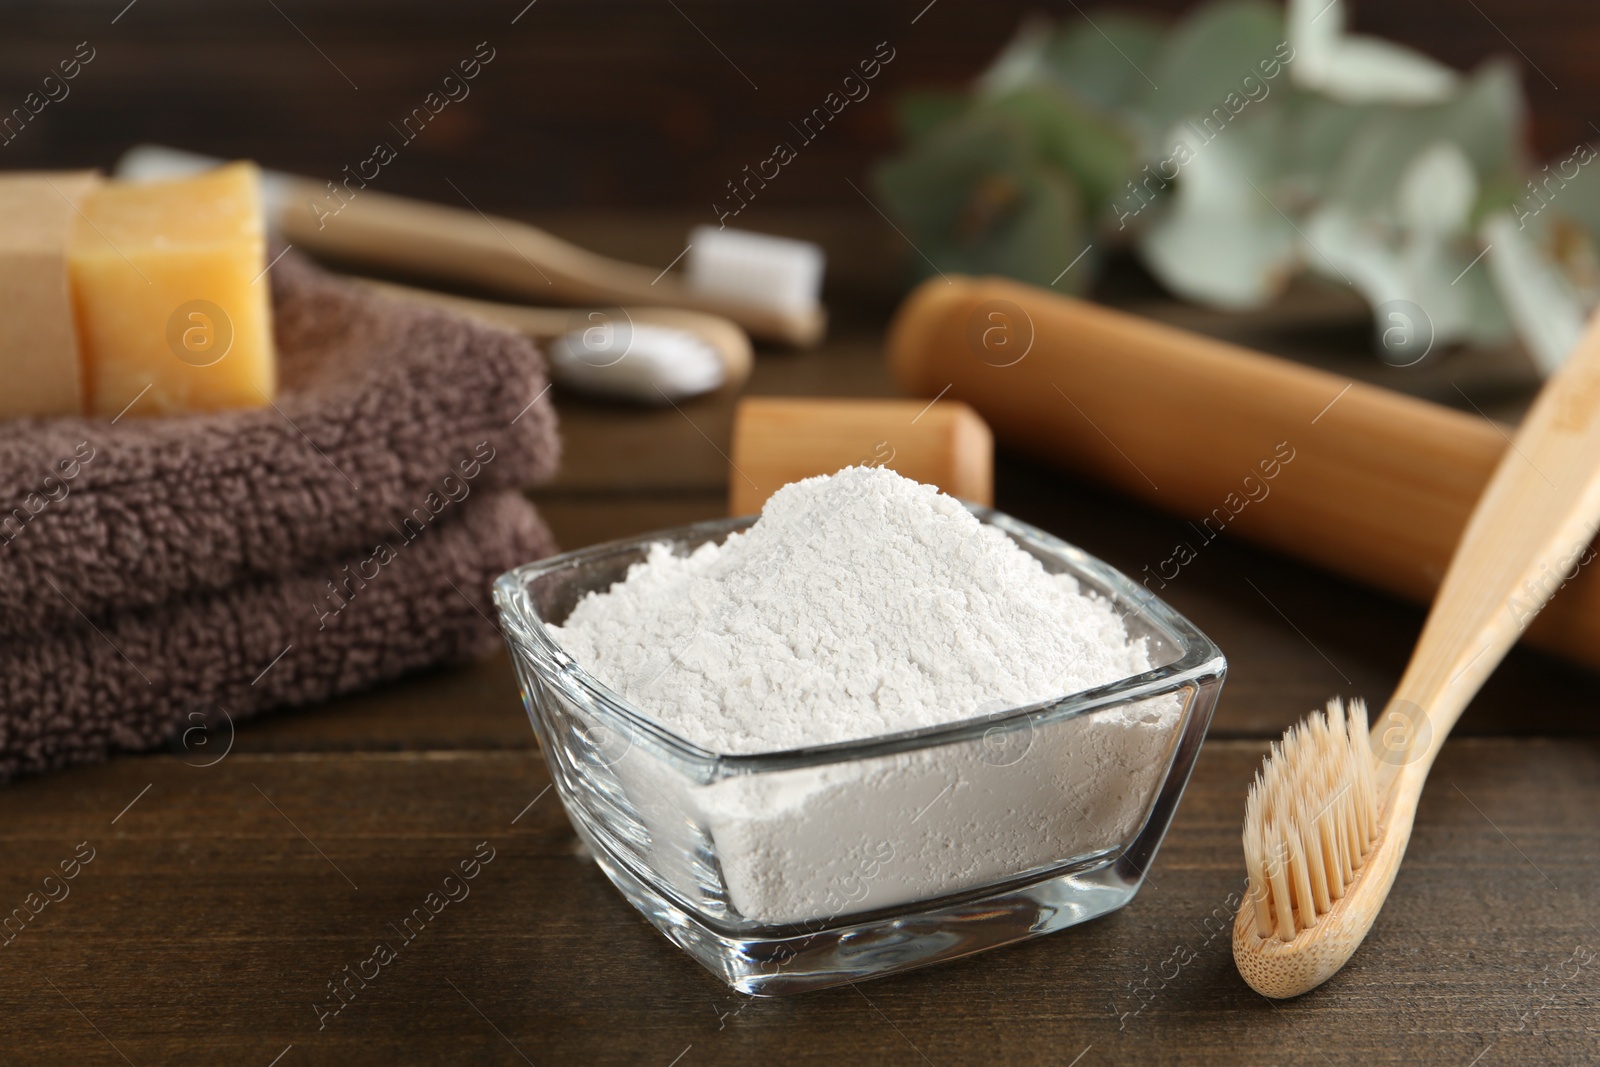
796 870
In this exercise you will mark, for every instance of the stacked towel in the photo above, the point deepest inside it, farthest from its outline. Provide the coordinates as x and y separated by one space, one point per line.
159 573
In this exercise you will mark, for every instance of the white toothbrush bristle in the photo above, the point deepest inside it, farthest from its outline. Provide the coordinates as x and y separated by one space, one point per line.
149 162
652 364
755 269
1311 820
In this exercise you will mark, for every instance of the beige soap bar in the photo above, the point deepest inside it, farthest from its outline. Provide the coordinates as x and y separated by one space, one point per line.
173 306
38 346
778 440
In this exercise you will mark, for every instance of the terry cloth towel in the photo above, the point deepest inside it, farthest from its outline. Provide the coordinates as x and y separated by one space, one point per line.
159 573
141 677
380 402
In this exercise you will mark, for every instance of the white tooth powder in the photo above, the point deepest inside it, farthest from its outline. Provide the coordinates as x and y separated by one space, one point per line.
864 603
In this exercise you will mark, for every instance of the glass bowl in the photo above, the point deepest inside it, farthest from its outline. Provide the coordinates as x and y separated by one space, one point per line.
801 869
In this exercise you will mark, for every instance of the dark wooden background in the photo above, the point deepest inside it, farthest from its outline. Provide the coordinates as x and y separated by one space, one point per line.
605 103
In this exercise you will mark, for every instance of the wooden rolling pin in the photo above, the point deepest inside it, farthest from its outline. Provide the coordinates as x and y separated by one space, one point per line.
1363 481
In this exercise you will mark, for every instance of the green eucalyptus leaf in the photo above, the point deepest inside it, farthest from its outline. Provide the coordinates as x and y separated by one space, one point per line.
931 183
1249 146
1356 69
1489 118
1484 121
1222 241
1502 192
1437 190
1038 242
1208 56
978 197
1457 293
1095 151
1347 248
1545 306
1432 269
1022 62
1102 57
1316 132
1570 186
919 112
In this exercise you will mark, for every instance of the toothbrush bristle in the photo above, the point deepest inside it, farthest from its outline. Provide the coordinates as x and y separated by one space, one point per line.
1311 819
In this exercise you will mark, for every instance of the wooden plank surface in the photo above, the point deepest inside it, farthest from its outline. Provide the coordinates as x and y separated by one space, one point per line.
217 908
222 899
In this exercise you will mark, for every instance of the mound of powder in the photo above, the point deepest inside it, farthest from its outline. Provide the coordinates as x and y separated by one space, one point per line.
859 603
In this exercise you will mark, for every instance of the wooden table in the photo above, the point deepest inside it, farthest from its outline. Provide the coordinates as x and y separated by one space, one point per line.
224 896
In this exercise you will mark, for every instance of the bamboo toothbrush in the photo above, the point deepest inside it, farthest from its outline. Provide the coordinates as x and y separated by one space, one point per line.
1329 816
660 354
768 285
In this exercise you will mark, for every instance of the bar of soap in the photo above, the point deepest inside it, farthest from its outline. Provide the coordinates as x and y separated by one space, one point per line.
171 304
781 439
38 346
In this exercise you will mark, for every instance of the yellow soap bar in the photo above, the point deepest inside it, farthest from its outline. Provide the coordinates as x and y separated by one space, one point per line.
169 292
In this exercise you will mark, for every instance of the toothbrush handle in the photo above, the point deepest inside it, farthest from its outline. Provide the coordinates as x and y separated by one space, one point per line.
1532 527
543 323
465 245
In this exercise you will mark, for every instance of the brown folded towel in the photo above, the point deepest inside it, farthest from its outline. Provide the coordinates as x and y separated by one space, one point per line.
133 681
155 573
381 403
